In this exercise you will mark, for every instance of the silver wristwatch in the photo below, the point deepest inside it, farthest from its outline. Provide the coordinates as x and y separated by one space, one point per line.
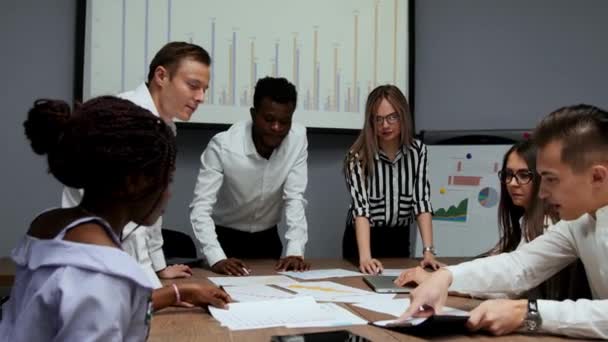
533 321
430 248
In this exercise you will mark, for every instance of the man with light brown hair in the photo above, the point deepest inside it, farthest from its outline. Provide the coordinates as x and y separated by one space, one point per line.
573 164
177 80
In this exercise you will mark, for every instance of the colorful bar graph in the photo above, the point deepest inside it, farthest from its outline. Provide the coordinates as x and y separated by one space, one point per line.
212 76
169 11
146 36
233 69
123 56
464 180
337 73
375 51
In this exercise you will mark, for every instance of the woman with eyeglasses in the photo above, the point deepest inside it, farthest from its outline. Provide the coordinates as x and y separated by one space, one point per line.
386 174
522 216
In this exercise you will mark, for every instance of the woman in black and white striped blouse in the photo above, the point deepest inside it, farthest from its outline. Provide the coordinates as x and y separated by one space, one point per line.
386 173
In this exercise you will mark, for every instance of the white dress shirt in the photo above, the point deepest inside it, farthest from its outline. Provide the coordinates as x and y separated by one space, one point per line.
536 261
144 243
69 291
466 283
238 188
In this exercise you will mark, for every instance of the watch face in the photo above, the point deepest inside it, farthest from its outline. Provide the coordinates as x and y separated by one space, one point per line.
532 320
531 325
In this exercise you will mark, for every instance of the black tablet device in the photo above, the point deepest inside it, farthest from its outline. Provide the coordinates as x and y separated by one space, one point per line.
329 336
433 326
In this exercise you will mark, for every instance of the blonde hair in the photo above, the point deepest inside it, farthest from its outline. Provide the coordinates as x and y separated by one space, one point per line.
365 147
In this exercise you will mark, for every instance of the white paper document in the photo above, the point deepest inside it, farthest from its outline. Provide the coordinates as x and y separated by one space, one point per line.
322 274
256 293
396 307
393 272
340 317
393 307
271 313
251 280
327 291
371 298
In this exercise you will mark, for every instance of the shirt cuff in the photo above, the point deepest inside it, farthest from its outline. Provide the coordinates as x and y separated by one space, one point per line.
423 207
549 311
294 249
458 280
358 212
214 257
158 260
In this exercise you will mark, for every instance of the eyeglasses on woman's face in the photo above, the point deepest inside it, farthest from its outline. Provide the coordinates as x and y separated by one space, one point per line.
521 176
390 119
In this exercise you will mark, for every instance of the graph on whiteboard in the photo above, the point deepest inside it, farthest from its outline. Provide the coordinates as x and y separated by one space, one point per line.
465 183
335 51
465 193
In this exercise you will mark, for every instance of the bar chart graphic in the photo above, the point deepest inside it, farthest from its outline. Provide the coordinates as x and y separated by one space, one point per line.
335 52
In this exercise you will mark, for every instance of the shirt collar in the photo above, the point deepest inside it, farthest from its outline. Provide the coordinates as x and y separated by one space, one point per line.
400 153
249 147
601 215
142 93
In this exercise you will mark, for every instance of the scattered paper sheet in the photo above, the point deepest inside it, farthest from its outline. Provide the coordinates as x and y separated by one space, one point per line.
251 280
271 313
372 298
360 298
327 291
256 293
341 317
393 307
396 307
322 274
393 272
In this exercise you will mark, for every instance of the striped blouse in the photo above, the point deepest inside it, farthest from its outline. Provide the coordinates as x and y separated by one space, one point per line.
396 193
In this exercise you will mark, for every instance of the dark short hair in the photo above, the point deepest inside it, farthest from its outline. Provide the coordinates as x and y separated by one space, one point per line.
170 55
279 90
583 131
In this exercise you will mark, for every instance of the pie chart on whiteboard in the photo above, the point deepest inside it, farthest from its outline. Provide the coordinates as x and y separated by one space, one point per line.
488 197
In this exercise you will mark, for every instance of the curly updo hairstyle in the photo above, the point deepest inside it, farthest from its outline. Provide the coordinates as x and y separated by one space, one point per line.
103 144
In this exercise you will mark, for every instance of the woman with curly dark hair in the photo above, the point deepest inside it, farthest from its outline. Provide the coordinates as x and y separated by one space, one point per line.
73 281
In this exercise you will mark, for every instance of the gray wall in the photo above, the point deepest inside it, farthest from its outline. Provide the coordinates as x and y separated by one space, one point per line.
503 64
512 59
37 39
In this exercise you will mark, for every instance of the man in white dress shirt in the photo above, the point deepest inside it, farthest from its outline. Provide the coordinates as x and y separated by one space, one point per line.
177 80
573 164
248 175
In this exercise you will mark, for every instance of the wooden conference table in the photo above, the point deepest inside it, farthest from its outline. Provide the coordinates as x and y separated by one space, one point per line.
181 324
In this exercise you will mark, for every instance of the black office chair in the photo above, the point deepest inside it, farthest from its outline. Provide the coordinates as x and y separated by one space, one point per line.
4 296
179 248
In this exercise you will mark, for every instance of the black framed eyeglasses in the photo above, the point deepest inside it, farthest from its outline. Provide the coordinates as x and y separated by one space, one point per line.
390 119
521 177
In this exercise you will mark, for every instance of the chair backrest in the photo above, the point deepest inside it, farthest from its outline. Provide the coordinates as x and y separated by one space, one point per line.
4 296
178 245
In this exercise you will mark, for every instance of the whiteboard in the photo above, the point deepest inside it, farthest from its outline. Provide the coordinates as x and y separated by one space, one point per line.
335 52
465 192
